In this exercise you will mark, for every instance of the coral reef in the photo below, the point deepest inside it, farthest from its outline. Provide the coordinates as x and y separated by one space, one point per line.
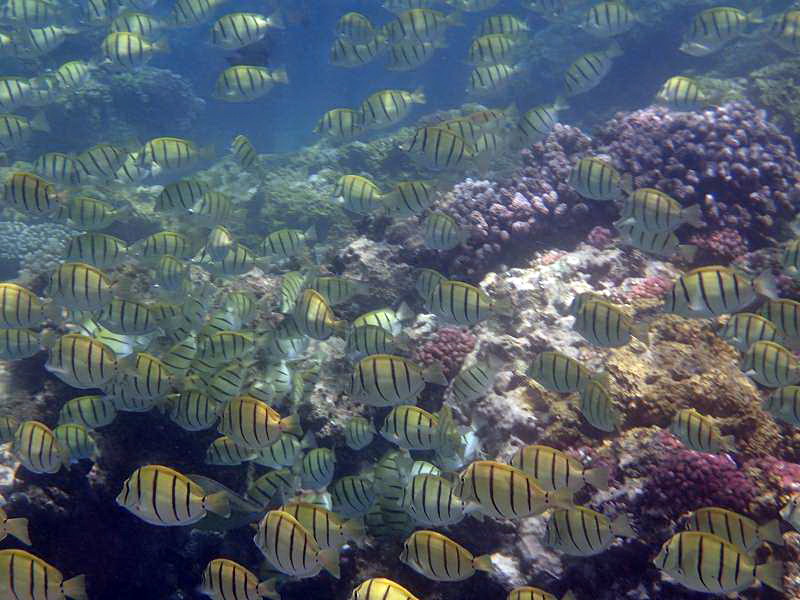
29 251
448 346
775 87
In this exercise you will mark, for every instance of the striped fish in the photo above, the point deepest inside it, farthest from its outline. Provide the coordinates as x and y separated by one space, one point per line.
273 487
77 441
147 377
179 357
491 79
228 382
378 588
292 284
126 401
186 13
58 167
340 124
706 563
682 94
89 213
285 451
23 575
790 256
715 27
348 54
700 432
286 243
439 558
224 579
540 121
504 24
464 304
409 56
164 243
386 318
589 70
654 211
142 24
220 241
161 496
337 289
771 365
597 179
37 448
714 291
358 433
784 404
438 148
580 531
420 25
80 286
607 19
81 361
128 317
179 196
597 407
358 194
317 467
388 380
19 343
353 495
192 410
39 41
240 29
426 282
388 107
784 30
442 232
736 529
431 501
409 198
244 83
291 549
785 315
97 249
413 428
173 154
101 161
355 27
8 427
744 329
386 521
555 470
606 325
15 527
557 372
223 451
476 380
532 593
32 195
238 260
244 153
327 528
212 208
505 492
665 244
314 317
90 411
222 347
20 308
254 424
370 339
130 50
491 49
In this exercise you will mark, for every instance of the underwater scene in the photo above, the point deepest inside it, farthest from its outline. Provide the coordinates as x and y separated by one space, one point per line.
399 299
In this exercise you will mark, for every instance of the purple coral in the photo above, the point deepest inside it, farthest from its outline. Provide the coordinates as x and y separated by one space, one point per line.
684 480
729 159
739 167
654 286
449 347
600 237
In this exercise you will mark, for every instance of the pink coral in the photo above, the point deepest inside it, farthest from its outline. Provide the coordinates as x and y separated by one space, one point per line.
650 287
449 347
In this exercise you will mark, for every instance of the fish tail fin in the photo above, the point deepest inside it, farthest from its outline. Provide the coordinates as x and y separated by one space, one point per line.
291 424
627 183
597 477
434 373
728 443
622 527
455 19
641 332
311 234
561 498
770 532
280 75
771 574
483 563
218 504
354 530
329 559
693 215
340 328
560 103
418 96
765 285
39 123
504 307
276 20
268 589
161 45
615 49
687 252
19 529
75 588
756 16
404 312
